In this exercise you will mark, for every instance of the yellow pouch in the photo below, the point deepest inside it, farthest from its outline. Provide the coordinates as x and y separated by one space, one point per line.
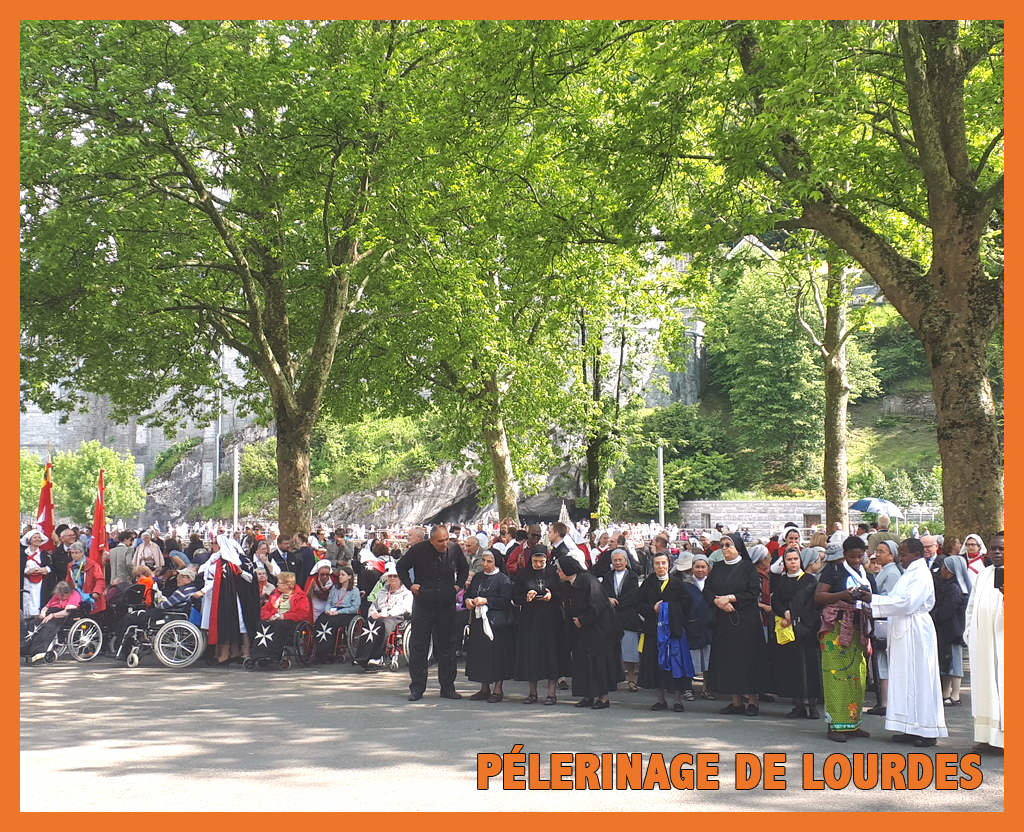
783 634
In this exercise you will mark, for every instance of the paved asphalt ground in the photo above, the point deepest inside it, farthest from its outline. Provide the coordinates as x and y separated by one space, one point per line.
261 739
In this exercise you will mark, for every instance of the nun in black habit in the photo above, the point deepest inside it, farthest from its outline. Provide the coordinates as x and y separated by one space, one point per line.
597 642
739 654
537 593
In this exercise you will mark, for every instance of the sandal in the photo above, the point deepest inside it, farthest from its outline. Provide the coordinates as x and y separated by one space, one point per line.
688 695
530 700
551 700
633 688
706 695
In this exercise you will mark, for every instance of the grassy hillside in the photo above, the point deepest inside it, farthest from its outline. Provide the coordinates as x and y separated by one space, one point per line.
890 442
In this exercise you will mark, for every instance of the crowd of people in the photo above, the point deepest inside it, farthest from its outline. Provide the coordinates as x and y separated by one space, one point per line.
712 613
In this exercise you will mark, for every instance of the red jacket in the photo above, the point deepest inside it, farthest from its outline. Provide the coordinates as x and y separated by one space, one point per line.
301 610
93 582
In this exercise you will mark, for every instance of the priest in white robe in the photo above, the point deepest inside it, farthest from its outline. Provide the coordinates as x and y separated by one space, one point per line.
984 637
915 694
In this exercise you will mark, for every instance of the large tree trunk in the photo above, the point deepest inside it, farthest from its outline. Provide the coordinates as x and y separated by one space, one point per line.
969 439
295 503
837 399
956 306
496 441
595 483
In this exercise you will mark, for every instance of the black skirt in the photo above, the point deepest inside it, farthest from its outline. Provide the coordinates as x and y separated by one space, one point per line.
490 661
594 676
540 643
739 655
651 675
796 670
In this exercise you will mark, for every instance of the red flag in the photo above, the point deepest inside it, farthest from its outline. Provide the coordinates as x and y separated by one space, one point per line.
44 515
99 527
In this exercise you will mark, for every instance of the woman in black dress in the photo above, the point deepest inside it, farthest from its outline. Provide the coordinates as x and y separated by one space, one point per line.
492 645
597 646
739 655
657 589
537 594
796 663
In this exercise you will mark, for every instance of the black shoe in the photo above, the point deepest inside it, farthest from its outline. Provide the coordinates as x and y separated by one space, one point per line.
878 710
415 696
837 736
563 685
659 706
812 713
905 739
585 703
797 712
600 704
732 709
859 732
751 710
450 694
678 707
925 742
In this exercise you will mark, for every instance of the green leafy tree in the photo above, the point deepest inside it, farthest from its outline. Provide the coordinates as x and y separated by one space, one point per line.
869 481
31 481
205 183
886 137
927 486
770 374
899 489
697 459
76 477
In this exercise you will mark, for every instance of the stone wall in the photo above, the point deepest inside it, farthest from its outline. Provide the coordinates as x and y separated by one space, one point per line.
916 404
757 514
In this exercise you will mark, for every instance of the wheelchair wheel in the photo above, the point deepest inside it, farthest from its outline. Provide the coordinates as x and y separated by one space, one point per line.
51 656
178 643
303 642
133 658
248 664
407 642
352 637
85 640
285 663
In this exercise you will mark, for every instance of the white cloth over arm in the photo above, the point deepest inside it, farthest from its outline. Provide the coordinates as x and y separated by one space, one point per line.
915 693
984 637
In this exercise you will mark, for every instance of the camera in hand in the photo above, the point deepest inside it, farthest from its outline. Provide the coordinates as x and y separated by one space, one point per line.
999 577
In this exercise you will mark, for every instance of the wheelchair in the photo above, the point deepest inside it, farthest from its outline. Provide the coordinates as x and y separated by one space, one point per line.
170 636
80 636
396 648
346 641
298 646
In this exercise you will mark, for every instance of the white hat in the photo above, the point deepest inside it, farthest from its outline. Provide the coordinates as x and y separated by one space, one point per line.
390 569
320 564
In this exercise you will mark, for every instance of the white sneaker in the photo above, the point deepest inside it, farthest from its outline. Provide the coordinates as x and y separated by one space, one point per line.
375 662
38 657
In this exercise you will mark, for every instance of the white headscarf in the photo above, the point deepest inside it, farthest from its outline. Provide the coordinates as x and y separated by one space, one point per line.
981 543
229 550
29 535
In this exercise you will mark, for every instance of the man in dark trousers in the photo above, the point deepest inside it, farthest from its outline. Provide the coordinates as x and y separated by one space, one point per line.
439 571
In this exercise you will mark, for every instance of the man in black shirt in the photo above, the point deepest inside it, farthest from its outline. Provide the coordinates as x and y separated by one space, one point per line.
439 572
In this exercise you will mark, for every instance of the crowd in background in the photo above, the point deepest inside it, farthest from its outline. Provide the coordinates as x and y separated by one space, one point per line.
813 618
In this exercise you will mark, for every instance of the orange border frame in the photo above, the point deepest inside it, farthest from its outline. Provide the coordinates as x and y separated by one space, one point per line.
9 374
